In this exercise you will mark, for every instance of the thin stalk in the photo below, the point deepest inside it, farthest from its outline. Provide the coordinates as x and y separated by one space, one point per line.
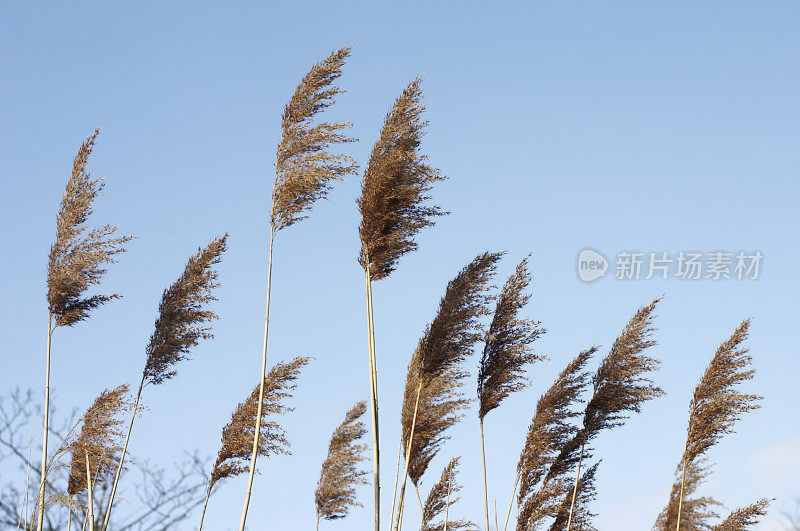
40 516
683 474
373 395
89 494
575 488
485 491
69 514
510 505
107 516
396 475
85 519
317 522
419 498
263 375
408 458
205 505
680 502
447 505
496 527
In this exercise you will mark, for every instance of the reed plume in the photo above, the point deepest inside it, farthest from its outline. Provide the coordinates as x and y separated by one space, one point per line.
268 400
304 171
549 430
393 207
433 399
696 511
99 442
715 407
341 472
439 500
574 512
620 388
744 517
77 262
506 352
183 320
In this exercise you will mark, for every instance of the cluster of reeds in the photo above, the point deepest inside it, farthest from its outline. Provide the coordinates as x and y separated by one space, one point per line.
553 486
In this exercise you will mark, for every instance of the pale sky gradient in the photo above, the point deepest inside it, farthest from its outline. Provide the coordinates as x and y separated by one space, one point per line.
562 125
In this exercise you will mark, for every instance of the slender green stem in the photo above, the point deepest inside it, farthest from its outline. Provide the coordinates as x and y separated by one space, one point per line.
373 392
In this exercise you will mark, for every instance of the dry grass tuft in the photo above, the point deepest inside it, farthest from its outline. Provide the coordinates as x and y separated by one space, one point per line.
100 438
340 475
507 350
439 500
77 258
238 435
182 316
305 167
395 187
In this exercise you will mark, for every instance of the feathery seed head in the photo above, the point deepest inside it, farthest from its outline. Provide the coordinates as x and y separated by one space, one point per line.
442 495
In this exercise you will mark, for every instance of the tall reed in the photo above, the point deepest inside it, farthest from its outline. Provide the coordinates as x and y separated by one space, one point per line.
506 353
715 407
267 399
76 263
183 320
620 387
304 170
393 209
549 430
439 500
341 471
432 401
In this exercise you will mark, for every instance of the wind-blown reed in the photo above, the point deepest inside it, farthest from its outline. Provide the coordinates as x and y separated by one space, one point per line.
305 169
268 400
715 407
394 208
183 320
98 447
620 388
432 401
744 517
441 497
506 353
76 263
341 471
549 430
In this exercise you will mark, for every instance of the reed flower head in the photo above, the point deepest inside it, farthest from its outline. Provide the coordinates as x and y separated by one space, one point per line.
100 438
744 517
508 344
183 316
78 258
434 373
696 512
305 167
442 495
395 187
238 435
341 472
549 430
581 516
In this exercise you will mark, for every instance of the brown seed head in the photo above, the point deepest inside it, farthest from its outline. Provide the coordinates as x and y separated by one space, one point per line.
443 494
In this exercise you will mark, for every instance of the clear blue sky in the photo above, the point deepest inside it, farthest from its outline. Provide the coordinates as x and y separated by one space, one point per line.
613 125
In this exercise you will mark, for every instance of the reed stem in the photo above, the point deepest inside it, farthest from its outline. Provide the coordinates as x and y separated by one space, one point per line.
575 488
408 458
40 515
419 499
262 376
205 506
373 395
510 505
396 476
69 515
107 517
447 505
485 490
89 494
496 527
